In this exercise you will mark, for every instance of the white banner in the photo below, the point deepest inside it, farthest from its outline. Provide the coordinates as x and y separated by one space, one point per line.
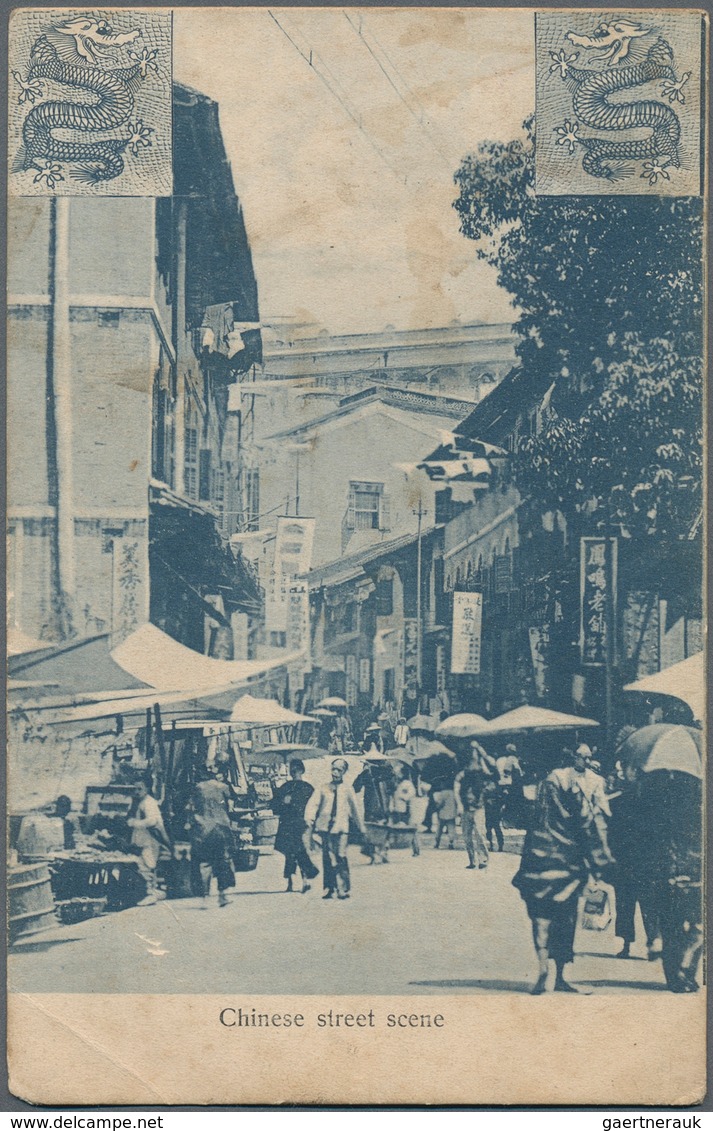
467 624
293 555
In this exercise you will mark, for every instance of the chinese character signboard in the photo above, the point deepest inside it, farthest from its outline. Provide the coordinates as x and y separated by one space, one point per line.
539 645
467 622
410 652
595 577
293 555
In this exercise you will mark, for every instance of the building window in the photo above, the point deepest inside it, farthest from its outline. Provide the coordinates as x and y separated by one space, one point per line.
204 481
191 459
366 508
252 499
385 597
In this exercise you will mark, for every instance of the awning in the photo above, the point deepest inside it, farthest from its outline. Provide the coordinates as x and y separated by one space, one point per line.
136 705
458 466
265 712
19 644
78 665
685 681
160 661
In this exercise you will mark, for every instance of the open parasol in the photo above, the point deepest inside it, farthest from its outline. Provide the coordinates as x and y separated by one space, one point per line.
332 701
462 726
523 719
400 755
685 681
421 748
664 746
421 722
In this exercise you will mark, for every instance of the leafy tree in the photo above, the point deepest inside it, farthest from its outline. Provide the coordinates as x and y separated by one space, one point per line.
609 294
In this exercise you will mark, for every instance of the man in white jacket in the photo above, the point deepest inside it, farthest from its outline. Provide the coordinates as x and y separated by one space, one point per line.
328 813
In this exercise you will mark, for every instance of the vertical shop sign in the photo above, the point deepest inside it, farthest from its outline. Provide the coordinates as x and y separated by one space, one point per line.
467 623
597 596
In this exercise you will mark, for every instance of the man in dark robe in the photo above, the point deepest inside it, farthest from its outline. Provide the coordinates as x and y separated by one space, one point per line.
289 805
562 848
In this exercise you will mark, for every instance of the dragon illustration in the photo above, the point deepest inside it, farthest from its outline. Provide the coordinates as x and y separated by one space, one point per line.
71 54
614 37
592 106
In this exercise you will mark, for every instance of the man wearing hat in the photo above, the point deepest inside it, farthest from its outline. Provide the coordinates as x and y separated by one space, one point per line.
329 818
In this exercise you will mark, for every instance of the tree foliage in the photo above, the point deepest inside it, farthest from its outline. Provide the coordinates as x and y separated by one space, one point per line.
609 290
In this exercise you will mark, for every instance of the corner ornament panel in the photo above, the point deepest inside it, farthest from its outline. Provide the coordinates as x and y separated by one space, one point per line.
619 103
90 103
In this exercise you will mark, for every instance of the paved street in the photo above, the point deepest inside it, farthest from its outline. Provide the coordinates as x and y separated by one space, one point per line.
423 925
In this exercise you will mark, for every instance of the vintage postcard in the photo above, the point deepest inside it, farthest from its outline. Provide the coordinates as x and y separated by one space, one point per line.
355 517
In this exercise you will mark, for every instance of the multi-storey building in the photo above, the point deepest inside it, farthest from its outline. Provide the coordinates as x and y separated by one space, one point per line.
129 319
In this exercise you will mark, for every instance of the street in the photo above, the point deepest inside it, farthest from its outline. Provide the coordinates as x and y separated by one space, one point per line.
412 926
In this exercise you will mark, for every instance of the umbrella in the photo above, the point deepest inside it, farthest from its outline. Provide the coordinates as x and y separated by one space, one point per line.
374 755
332 701
422 748
287 751
533 718
461 726
421 722
685 681
664 746
400 755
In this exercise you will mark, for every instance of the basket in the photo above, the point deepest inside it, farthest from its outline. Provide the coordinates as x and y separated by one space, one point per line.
246 860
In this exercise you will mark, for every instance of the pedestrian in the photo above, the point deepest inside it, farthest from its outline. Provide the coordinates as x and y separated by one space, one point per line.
509 773
147 836
672 870
402 732
562 848
401 807
71 834
373 740
469 786
343 732
628 835
329 812
593 786
493 807
444 802
439 773
289 804
211 836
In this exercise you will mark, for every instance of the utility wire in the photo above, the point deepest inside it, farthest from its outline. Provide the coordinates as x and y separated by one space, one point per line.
311 59
417 117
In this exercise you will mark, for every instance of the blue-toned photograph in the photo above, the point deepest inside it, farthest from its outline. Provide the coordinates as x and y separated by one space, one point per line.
355 503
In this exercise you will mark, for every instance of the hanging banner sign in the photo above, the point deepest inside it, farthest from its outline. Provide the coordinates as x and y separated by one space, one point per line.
593 598
467 625
293 556
539 647
298 624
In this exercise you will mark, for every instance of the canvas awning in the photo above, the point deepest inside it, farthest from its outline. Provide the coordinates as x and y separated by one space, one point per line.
685 681
160 661
265 712
20 644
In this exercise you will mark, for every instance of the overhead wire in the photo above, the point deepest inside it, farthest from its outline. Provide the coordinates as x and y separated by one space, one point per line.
418 118
312 59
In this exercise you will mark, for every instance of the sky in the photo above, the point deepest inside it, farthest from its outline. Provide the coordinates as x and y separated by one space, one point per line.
344 166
